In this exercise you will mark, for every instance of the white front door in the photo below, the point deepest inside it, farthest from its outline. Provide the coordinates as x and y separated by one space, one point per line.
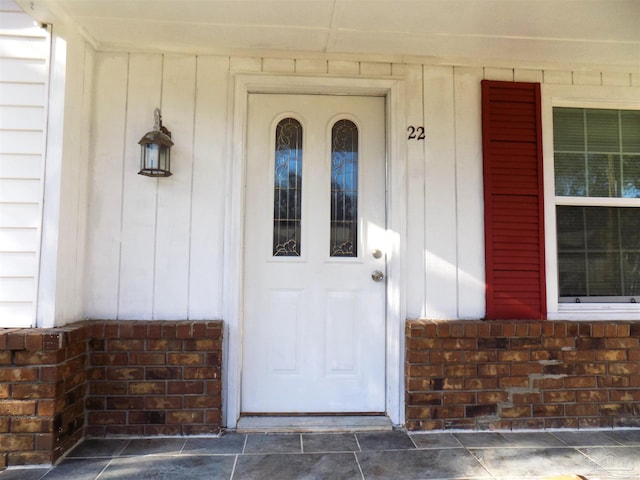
313 336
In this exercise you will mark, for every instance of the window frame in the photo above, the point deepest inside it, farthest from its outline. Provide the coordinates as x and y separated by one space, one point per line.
573 96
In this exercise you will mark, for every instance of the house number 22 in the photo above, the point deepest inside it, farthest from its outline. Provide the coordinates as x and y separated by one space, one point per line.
415 133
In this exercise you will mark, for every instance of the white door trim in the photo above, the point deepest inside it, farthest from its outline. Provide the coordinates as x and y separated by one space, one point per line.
393 91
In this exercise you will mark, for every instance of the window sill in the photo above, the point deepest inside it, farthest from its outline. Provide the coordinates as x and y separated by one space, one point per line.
596 311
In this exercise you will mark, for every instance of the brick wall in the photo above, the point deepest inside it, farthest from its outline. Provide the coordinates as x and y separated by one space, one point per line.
100 378
154 378
520 374
42 393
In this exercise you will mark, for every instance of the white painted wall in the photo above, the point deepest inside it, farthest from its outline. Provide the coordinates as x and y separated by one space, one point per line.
45 101
155 246
24 55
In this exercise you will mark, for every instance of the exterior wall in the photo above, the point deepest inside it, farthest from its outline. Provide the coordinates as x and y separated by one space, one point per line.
24 62
42 393
154 378
105 378
520 375
153 240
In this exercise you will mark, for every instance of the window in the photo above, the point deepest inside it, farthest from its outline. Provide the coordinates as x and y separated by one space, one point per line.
597 197
344 189
287 191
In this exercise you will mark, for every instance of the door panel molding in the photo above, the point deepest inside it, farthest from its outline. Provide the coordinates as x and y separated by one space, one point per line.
395 235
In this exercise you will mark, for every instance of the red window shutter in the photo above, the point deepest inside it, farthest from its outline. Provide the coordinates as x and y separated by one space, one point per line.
513 201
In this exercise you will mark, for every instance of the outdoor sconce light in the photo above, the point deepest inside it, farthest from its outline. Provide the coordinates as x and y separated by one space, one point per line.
155 153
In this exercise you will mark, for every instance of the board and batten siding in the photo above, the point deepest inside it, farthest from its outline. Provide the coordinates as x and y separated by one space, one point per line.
155 246
24 65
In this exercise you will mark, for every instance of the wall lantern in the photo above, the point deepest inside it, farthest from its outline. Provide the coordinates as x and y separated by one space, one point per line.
155 153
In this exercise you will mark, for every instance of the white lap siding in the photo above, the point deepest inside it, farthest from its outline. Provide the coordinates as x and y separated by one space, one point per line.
24 52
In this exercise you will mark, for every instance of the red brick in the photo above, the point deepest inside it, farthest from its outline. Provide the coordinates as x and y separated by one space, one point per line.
624 368
45 441
480 356
31 425
493 397
125 373
581 409
416 399
458 398
18 374
106 418
493 369
201 345
526 368
17 407
163 403
15 459
515 412
23 391
424 344
163 344
610 355
128 345
125 403
485 383
445 357
185 359
200 401
136 358
185 416
417 357
16 443
580 382
615 343
98 359
5 358
4 424
559 396
15 340
527 398
53 341
147 388
190 387
5 390
513 382
201 373
459 344
624 395
548 410
425 370
467 370
108 388
161 429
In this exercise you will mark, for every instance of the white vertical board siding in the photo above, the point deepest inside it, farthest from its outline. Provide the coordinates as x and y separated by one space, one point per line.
105 187
140 193
470 198
171 290
155 244
24 53
440 194
208 197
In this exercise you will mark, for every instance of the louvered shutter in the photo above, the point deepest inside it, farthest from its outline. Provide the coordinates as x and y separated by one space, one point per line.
513 196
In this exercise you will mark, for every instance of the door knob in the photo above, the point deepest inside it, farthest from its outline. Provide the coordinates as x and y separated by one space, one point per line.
376 253
377 276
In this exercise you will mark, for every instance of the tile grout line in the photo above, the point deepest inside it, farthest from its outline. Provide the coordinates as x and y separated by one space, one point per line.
355 456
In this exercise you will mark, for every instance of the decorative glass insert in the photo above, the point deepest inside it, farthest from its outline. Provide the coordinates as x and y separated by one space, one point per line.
598 252
597 152
287 196
344 189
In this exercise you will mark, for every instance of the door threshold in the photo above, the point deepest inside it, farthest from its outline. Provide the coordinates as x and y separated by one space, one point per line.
313 424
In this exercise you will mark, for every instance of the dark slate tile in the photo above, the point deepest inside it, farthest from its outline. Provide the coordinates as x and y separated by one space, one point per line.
23 473
585 439
154 446
435 440
420 464
613 462
483 440
273 443
207 467
533 462
626 437
98 447
229 443
78 469
308 466
533 439
394 440
329 442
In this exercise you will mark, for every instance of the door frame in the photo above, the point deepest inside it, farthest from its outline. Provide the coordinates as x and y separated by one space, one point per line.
392 89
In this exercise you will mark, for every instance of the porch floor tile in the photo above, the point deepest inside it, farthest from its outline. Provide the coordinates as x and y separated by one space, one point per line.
397 455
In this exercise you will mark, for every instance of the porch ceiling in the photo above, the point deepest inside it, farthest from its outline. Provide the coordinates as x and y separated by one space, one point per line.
532 32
